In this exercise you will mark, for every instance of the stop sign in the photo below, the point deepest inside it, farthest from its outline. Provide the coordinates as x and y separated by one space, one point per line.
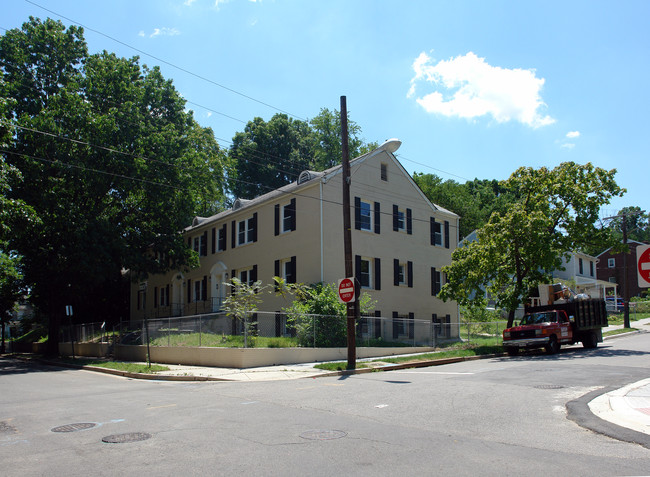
643 265
346 290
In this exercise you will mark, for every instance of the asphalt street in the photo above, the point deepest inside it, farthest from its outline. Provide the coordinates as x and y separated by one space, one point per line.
500 416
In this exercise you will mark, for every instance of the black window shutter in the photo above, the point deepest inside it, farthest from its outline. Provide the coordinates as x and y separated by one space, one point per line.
214 240
293 214
377 217
204 288
277 219
395 272
357 213
189 290
395 218
277 268
293 270
253 274
409 267
377 323
357 268
411 325
433 231
204 244
433 281
224 240
167 295
189 242
395 325
155 297
446 234
377 274
233 274
254 229
233 234
409 221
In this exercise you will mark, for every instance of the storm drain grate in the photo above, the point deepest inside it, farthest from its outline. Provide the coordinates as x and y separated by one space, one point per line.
127 437
78 426
549 386
322 434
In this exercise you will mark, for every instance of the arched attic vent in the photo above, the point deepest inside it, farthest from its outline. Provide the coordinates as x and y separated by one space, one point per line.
239 203
306 176
198 221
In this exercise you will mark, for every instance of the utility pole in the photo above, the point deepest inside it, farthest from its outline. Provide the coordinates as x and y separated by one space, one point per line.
347 236
626 293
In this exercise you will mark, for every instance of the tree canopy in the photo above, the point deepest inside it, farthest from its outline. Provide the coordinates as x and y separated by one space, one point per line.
270 154
110 162
553 212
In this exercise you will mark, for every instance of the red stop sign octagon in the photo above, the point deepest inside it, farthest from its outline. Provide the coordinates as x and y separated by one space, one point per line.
346 290
643 265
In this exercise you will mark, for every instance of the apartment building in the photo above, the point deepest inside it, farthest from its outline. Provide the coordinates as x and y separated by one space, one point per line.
400 242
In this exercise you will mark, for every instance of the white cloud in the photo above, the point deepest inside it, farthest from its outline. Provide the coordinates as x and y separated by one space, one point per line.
573 134
164 32
568 145
188 3
219 2
468 87
141 33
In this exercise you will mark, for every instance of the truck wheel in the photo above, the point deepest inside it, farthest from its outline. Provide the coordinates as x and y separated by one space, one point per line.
512 351
590 341
553 346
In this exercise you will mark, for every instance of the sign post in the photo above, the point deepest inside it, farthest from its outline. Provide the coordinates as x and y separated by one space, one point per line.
643 265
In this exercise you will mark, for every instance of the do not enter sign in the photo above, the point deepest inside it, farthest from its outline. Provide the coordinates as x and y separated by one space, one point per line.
346 290
643 265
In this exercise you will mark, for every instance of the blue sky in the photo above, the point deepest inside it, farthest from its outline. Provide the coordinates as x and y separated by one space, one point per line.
473 89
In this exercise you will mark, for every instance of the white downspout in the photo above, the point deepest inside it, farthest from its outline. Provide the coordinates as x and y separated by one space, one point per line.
322 258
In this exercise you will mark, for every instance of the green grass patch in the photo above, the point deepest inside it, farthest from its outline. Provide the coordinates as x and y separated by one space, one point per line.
118 365
618 318
455 350
213 340
618 332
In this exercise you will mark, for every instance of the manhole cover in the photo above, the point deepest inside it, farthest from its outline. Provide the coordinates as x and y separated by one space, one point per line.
79 426
128 437
549 386
4 427
323 434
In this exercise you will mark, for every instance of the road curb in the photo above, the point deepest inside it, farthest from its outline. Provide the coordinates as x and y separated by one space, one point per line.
579 412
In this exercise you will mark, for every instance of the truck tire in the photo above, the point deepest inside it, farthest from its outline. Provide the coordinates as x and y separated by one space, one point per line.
553 346
512 351
590 341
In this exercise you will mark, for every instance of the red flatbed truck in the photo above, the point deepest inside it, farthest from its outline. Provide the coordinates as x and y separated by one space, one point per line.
551 326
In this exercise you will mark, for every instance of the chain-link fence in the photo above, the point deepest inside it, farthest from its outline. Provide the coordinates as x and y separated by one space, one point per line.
280 330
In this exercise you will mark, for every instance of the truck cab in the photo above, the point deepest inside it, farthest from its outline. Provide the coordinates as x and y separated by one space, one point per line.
543 329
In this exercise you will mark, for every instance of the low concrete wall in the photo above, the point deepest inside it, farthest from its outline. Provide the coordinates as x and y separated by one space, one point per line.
250 357
92 350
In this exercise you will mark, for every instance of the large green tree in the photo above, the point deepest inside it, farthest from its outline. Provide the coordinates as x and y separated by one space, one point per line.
554 213
270 154
111 163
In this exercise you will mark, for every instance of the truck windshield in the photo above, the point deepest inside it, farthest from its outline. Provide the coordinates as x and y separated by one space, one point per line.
537 318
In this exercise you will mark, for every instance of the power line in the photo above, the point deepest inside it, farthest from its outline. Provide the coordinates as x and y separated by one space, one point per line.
168 63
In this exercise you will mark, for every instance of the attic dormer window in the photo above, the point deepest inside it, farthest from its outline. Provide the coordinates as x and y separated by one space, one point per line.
384 172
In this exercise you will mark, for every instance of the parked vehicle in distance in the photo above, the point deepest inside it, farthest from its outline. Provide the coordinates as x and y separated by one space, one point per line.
551 326
614 304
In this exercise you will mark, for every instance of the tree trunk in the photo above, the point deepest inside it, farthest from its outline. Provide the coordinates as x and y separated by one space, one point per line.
511 318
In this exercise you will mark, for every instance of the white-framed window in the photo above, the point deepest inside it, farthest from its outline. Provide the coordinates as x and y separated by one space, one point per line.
365 215
611 263
287 270
246 276
221 239
245 231
437 233
365 272
401 274
288 212
400 219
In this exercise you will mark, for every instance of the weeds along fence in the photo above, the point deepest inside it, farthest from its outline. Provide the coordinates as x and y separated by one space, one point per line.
280 330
